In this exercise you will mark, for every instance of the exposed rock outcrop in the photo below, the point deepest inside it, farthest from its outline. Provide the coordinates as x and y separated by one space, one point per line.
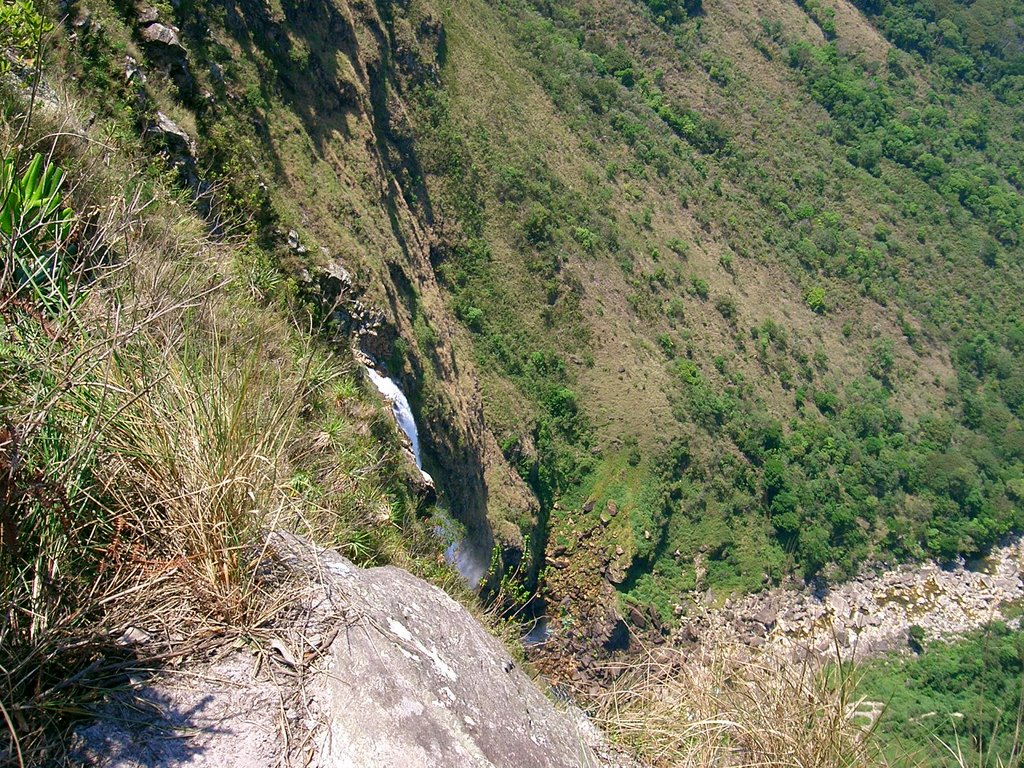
372 668
873 613
165 50
179 148
589 641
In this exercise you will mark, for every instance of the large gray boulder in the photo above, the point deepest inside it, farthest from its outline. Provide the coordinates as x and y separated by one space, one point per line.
416 681
373 667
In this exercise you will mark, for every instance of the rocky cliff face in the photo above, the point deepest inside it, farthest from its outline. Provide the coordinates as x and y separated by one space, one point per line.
308 100
374 668
360 61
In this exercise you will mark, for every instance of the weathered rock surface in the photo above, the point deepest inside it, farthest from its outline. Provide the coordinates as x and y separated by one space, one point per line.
374 668
873 613
179 147
162 34
423 672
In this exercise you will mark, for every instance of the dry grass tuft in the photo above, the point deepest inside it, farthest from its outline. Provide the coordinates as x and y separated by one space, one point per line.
721 705
197 462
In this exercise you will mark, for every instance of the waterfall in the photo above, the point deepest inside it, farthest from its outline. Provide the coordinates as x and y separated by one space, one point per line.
403 413
470 567
458 553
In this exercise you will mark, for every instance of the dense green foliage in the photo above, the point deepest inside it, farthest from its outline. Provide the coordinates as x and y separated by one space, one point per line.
974 42
669 12
22 27
954 154
965 695
848 476
838 477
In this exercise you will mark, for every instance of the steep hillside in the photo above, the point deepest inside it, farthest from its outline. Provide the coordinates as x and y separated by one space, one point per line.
687 297
300 128
750 269
747 272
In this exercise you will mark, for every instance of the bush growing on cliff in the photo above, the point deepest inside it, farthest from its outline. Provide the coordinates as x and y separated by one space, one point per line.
669 12
23 28
817 299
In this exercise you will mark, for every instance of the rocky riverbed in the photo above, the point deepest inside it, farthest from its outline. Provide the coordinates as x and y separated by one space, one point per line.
873 613
588 642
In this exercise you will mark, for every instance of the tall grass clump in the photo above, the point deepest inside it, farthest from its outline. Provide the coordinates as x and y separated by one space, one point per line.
155 424
721 705
51 396
197 461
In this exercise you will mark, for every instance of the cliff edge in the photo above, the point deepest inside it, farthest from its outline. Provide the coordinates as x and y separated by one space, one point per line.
366 667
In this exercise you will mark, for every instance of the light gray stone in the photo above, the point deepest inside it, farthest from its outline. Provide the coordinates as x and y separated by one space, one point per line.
163 34
417 682
176 138
374 667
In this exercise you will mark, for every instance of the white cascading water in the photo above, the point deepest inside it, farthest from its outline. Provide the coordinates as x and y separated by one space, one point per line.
403 413
471 567
458 552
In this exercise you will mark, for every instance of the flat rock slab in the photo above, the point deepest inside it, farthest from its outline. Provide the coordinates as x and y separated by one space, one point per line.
374 668
216 715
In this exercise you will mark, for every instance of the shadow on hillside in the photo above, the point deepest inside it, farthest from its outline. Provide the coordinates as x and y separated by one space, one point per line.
301 58
329 73
332 65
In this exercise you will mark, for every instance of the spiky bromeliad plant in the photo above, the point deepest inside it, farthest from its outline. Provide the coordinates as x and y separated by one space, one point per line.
35 233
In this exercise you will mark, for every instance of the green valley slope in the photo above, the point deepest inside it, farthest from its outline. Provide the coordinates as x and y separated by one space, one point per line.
752 274
749 272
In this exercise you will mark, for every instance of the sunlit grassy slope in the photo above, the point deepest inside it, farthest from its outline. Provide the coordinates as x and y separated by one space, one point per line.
762 250
749 271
